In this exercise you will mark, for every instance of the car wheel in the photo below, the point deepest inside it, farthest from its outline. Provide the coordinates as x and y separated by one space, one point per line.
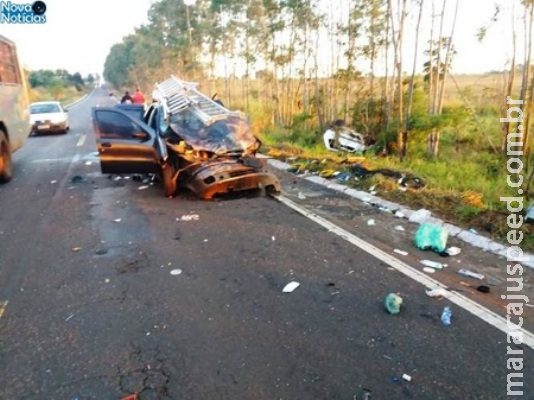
169 183
6 170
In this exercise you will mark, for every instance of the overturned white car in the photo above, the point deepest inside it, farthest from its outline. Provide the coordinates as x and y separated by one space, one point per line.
343 138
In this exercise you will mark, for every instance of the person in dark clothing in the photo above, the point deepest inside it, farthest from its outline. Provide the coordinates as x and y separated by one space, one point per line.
126 98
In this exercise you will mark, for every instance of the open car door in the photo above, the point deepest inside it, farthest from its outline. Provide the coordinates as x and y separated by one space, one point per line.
125 144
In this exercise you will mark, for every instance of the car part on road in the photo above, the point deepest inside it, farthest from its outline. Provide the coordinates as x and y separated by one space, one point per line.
6 168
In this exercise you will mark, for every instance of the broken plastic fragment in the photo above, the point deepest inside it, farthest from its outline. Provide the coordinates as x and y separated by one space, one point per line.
144 187
406 377
399 228
429 270
53 182
453 251
393 303
371 222
117 219
190 217
420 215
176 271
470 274
433 264
440 292
301 196
290 287
401 252
76 249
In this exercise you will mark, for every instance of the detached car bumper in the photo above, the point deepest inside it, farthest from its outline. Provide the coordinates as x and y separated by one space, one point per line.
212 179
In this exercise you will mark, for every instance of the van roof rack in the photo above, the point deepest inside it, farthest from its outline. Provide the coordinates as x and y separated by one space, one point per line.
177 95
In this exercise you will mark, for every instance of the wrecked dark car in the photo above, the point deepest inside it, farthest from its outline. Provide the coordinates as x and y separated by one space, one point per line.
186 138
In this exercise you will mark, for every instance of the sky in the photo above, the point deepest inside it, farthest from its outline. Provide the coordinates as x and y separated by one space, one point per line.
77 37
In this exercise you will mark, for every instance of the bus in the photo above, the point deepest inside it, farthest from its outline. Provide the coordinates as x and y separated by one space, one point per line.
14 104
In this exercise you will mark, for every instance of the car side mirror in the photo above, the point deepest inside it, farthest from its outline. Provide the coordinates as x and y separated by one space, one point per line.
140 135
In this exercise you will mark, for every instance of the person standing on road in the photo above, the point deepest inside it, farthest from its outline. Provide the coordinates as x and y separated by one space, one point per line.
126 98
138 97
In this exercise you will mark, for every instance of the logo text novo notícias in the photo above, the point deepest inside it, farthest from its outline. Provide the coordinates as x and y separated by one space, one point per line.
16 13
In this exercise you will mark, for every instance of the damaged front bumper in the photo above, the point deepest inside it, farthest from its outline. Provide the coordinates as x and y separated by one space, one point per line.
223 177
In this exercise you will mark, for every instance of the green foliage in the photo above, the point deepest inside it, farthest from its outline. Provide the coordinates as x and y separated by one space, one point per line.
55 79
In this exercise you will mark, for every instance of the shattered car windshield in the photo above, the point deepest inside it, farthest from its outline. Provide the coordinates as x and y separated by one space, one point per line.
231 134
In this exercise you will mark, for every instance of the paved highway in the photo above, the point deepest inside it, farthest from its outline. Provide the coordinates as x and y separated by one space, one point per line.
91 309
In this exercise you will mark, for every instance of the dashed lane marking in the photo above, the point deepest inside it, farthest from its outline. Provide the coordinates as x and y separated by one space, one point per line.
467 304
81 141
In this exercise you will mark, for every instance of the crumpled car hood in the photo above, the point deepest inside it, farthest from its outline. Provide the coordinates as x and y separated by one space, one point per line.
228 135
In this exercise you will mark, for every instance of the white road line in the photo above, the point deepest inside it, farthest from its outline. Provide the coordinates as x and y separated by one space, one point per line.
467 304
81 141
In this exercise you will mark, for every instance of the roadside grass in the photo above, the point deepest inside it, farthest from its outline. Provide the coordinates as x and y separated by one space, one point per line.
64 95
463 185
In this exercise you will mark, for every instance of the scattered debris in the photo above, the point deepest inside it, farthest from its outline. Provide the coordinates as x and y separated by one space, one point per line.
399 228
88 163
107 280
371 222
433 264
407 377
453 251
484 289
429 270
401 252
343 177
190 217
301 196
144 187
446 316
53 182
290 287
431 237
117 219
471 274
399 214
439 292
393 303
117 178
420 215
76 249
403 179
176 271
69 318
273 238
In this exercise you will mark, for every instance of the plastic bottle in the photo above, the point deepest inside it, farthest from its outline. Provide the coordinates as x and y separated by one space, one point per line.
446 316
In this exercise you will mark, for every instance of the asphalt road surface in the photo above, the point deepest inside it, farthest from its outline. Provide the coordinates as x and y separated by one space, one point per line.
90 308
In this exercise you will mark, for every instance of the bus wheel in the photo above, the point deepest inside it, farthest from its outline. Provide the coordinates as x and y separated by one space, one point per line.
6 170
